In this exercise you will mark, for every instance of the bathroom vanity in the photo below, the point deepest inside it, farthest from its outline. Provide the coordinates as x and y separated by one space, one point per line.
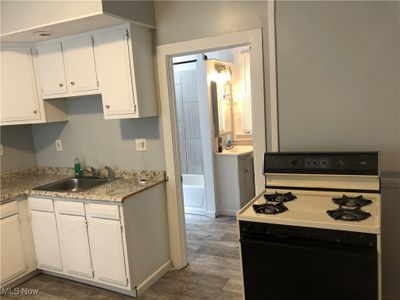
234 179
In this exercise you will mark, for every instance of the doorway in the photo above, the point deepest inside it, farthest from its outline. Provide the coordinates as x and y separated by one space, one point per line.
216 159
165 54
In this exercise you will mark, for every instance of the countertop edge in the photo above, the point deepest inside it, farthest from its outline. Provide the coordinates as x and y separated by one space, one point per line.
88 197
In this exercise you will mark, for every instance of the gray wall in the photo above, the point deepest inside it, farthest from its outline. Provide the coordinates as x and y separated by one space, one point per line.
338 77
178 21
98 142
19 152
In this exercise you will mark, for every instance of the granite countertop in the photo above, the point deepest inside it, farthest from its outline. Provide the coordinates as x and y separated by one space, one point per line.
126 183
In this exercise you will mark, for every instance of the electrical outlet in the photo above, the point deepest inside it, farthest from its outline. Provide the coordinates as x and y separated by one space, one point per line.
141 145
1 150
58 145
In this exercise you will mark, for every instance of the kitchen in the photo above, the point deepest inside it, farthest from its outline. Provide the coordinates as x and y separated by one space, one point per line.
332 60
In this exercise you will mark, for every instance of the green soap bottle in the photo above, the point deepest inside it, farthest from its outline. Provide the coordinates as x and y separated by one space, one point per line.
78 168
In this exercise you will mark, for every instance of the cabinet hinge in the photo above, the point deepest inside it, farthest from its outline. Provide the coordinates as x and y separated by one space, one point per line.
91 37
86 222
134 108
97 82
127 281
127 33
93 273
122 228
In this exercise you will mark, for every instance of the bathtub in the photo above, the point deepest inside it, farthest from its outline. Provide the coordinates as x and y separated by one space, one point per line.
194 193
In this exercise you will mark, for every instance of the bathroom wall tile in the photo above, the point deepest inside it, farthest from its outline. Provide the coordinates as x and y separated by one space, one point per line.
183 165
189 86
179 102
177 77
192 121
194 156
182 139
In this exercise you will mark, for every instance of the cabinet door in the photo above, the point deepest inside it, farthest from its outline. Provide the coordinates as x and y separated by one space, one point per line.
45 237
51 69
115 74
107 250
12 249
79 64
19 98
75 245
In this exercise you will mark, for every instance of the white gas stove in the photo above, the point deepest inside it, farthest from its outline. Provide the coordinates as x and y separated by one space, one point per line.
314 199
319 211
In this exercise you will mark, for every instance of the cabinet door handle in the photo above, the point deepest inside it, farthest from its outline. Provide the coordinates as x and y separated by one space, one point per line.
107 106
35 111
61 85
72 83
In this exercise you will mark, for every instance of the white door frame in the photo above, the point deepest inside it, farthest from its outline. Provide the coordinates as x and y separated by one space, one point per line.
175 207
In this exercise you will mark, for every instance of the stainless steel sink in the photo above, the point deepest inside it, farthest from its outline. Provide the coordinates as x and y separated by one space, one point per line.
73 184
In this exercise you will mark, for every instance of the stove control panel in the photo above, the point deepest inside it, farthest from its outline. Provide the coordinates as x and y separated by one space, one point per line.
347 163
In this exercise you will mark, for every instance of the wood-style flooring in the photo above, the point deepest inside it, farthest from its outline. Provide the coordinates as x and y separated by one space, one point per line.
213 271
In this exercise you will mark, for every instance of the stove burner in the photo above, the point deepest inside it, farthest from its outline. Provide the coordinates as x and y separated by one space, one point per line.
270 208
279 197
351 201
348 214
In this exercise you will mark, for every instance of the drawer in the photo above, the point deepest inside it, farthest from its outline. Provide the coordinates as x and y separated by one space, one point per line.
70 208
8 209
41 204
103 211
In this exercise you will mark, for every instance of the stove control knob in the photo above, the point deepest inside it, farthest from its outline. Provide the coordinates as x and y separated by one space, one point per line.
341 163
294 162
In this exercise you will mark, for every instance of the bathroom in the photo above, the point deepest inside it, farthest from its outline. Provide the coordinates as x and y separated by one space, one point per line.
214 124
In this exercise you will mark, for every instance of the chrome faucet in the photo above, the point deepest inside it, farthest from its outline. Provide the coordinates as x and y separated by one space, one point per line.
93 171
110 173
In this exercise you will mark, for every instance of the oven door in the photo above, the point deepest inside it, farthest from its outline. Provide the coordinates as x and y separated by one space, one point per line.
285 268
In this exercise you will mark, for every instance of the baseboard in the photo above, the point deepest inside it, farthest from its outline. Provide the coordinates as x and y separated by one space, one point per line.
153 278
194 211
211 214
230 213
22 279
93 283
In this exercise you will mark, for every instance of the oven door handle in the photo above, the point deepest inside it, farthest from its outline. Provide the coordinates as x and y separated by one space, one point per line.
310 245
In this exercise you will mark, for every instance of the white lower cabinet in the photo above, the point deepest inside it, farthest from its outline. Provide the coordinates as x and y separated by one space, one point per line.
107 250
45 237
75 245
17 253
12 249
96 242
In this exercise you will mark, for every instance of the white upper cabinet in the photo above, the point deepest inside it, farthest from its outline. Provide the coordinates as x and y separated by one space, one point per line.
19 97
116 62
67 67
51 69
124 62
114 68
80 64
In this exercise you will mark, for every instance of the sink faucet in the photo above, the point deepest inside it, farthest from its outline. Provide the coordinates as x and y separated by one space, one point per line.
110 173
93 171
